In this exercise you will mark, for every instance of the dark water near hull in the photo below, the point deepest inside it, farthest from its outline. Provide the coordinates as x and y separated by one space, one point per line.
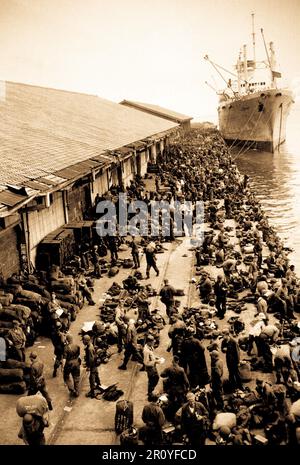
275 179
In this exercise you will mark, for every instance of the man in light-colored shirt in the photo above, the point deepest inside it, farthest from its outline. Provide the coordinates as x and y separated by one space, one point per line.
254 333
150 362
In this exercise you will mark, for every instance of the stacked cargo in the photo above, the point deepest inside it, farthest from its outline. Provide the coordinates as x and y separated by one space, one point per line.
56 248
13 377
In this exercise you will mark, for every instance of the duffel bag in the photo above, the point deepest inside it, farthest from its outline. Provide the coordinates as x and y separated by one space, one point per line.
11 363
67 284
65 305
71 308
6 324
4 331
6 299
30 295
128 263
22 310
13 388
13 288
67 281
71 298
61 288
224 419
113 271
245 371
37 288
123 415
9 315
8 375
248 248
35 405
129 437
32 304
282 351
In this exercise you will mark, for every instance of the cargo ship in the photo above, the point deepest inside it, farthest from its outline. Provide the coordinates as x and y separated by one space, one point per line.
253 108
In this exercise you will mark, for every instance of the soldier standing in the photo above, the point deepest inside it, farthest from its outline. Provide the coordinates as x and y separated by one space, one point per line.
150 362
230 347
58 339
130 343
216 378
72 366
32 431
37 381
91 365
95 261
135 253
17 340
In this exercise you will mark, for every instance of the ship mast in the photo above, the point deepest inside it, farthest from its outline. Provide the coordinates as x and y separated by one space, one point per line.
245 67
268 57
253 42
238 67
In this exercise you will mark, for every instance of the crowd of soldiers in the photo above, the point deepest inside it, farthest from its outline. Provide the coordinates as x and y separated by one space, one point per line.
201 169
195 391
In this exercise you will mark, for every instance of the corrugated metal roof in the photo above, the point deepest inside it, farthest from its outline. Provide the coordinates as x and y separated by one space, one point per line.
137 145
39 186
123 150
44 131
10 199
159 111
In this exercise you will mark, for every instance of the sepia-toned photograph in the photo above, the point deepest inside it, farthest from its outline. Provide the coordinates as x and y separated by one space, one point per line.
150 226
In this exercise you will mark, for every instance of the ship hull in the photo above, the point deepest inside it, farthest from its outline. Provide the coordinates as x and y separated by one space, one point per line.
256 120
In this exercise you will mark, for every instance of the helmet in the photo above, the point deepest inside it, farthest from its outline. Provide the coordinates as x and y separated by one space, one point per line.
27 418
224 431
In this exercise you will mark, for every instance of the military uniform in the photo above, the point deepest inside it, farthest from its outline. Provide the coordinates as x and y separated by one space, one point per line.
37 381
18 340
72 368
150 361
154 418
58 340
91 364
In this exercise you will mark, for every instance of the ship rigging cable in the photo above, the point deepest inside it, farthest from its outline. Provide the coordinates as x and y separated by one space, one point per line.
215 66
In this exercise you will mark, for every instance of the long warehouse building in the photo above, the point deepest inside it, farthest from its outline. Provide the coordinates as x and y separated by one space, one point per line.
58 150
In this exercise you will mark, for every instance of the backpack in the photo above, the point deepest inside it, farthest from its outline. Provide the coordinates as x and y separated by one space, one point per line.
112 393
113 271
